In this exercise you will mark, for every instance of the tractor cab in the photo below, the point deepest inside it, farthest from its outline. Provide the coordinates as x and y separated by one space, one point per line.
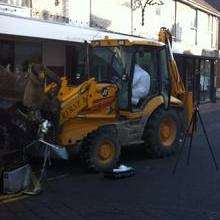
129 93
138 68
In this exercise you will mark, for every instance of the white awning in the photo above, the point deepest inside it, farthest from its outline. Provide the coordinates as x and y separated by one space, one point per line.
28 27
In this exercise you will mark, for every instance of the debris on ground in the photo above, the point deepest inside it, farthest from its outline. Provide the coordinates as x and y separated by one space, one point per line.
121 172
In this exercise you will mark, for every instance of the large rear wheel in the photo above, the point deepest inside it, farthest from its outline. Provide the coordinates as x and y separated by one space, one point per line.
163 132
100 150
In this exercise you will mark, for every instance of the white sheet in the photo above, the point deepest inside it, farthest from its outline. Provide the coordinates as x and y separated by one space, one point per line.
140 84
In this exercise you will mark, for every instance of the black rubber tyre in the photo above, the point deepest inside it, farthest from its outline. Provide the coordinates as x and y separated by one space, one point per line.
93 144
155 141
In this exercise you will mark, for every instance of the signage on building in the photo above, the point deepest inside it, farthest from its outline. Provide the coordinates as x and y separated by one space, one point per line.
46 15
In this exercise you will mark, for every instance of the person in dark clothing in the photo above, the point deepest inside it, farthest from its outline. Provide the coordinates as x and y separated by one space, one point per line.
34 94
35 97
11 85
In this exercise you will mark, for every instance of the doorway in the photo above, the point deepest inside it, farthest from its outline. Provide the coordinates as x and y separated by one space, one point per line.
205 80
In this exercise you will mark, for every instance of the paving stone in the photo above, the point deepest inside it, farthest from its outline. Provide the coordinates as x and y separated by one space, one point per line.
153 193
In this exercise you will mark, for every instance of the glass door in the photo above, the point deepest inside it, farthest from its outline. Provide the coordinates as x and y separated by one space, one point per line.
205 80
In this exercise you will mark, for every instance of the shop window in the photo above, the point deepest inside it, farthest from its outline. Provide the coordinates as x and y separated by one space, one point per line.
189 71
197 79
7 54
27 53
75 64
205 80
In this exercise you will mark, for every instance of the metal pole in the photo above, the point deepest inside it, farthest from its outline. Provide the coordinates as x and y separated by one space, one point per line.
90 13
131 17
191 136
183 143
207 139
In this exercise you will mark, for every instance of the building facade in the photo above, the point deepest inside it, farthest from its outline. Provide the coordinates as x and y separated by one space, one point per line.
216 4
53 32
194 25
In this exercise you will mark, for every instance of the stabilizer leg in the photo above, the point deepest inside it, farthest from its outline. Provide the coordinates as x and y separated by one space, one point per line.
183 143
207 139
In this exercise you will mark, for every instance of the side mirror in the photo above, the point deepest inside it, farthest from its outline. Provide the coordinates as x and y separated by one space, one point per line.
124 77
78 76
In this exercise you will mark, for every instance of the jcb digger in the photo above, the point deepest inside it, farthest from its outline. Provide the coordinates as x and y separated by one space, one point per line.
99 116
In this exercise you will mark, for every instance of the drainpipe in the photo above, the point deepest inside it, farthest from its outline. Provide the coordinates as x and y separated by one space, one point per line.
66 9
175 19
131 3
90 13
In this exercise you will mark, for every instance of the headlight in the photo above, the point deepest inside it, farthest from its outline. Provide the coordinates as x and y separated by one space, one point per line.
44 127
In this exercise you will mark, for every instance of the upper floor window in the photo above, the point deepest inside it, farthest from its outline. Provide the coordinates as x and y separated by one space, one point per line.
4 1
186 24
18 3
158 10
26 3
193 25
212 29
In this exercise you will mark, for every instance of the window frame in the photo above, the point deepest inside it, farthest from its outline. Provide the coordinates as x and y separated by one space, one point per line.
168 71
157 74
17 3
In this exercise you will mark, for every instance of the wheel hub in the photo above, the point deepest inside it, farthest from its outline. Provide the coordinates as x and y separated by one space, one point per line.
167 130
106 152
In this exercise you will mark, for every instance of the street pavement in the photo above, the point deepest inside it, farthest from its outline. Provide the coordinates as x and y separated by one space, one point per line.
153 193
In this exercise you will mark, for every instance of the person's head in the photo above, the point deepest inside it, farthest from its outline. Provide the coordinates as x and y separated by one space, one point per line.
144 59
140 58
38 70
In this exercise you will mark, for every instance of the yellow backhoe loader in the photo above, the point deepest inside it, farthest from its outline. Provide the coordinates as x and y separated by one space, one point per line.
99 115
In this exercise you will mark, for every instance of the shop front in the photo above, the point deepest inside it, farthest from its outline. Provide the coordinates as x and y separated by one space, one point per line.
199 75
16 53
6 53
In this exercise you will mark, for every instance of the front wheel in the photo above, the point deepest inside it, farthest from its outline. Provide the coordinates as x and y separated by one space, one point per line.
100 150
163 132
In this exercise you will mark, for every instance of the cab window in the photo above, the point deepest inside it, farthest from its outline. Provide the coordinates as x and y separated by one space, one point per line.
164 71
106 63
145 75
76 64
112 65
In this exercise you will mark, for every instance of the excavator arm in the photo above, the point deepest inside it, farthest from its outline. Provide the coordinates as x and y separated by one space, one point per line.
178 89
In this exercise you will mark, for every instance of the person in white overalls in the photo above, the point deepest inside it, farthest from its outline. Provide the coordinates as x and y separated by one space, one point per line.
140 84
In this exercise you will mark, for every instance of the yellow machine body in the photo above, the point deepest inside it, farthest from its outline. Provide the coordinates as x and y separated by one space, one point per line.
86 107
